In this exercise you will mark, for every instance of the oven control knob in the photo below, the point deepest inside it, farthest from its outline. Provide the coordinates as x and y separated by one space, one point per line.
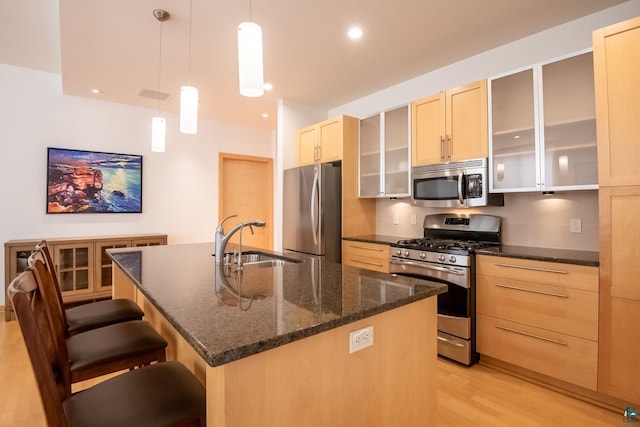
406 253
398 252
452 259
423 255
441 258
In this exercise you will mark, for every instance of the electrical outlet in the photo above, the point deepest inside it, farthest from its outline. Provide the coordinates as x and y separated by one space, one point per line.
362 338
414 219
575 225
396 219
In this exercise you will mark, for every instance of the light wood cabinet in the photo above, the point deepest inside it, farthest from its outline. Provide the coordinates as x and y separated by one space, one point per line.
450 126
370 256
619 292
83 268
541 316
321 142
616 55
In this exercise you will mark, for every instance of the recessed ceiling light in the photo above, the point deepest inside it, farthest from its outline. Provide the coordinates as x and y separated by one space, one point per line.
265 115
268 86
355 33
96 90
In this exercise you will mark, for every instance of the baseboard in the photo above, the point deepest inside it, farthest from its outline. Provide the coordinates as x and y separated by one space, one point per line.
592 397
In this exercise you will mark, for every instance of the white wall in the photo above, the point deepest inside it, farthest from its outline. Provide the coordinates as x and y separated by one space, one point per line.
179 186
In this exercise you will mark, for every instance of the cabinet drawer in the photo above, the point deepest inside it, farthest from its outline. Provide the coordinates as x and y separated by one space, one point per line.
553 273
560 356
558 308
366 255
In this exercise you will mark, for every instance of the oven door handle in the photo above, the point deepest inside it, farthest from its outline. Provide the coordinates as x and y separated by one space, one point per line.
454 343
428 266
460 182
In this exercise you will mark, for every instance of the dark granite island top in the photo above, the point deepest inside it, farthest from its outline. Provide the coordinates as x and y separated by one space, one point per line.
271 345
228 318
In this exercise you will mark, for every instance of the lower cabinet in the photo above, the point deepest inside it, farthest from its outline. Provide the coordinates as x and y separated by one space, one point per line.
540 316
82 265
370 256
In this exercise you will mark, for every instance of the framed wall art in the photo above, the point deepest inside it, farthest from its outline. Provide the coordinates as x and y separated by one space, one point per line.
93 182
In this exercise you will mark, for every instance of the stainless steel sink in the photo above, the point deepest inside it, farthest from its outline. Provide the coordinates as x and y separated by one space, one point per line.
261 259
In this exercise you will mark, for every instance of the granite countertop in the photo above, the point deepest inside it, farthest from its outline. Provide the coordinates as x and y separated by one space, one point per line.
376 238
228 318
565 256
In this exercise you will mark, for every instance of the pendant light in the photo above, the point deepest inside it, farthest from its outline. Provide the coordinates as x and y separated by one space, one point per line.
189 96
250 69
158 123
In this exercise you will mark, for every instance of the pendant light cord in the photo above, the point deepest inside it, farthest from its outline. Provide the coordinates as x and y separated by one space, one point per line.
160 68
190 17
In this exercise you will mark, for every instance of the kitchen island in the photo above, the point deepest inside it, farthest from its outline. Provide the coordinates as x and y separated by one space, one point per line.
271 342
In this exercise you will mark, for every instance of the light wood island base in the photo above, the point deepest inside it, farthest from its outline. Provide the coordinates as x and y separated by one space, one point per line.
315 381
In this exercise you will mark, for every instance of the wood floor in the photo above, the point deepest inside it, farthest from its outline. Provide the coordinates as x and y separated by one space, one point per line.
477 396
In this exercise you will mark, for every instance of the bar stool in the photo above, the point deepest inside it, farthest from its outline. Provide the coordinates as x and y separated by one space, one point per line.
162 394
100 351
91 315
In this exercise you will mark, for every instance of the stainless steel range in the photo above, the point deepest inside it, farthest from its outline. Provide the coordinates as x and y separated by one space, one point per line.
447 254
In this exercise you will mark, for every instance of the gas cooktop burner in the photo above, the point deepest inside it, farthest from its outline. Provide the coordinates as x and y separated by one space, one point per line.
431 244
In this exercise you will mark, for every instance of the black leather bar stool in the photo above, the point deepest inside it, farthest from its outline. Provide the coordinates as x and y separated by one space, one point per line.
162 394
100 351
91 315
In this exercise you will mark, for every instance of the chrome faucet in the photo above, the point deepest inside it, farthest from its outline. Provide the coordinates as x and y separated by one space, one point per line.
222 239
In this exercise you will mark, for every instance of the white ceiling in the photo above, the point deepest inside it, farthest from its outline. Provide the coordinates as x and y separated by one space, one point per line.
114 45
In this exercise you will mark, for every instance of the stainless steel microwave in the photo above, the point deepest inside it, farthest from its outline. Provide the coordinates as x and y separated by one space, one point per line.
453 185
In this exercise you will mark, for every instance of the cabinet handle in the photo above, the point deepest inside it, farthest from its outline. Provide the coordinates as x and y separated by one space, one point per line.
533 291
457 344
366 248
524 267
366 262
532 335
442 148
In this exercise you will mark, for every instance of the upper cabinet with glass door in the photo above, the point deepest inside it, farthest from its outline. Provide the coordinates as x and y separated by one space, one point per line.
384 155
543 134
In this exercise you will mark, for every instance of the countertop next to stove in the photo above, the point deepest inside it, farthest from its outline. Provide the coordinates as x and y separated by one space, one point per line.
565 256
377 238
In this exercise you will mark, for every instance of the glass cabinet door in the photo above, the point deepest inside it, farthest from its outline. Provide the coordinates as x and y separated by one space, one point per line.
513 131
570 156
384 156
396 152
369 161
74 267
104 266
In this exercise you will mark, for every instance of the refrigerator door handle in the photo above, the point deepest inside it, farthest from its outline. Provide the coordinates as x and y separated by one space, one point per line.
315 207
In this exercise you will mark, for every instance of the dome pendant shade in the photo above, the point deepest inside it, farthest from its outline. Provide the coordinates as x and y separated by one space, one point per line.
189 110
158 134
250 69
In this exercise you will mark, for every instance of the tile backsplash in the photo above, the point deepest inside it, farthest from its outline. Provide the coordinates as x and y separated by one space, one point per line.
528 219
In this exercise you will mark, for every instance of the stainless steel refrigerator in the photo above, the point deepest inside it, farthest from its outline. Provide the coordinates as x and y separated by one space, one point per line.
312 211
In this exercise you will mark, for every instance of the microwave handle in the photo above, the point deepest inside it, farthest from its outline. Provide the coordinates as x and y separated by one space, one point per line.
460 194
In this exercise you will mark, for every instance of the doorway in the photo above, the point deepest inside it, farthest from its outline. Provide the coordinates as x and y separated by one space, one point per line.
246 190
